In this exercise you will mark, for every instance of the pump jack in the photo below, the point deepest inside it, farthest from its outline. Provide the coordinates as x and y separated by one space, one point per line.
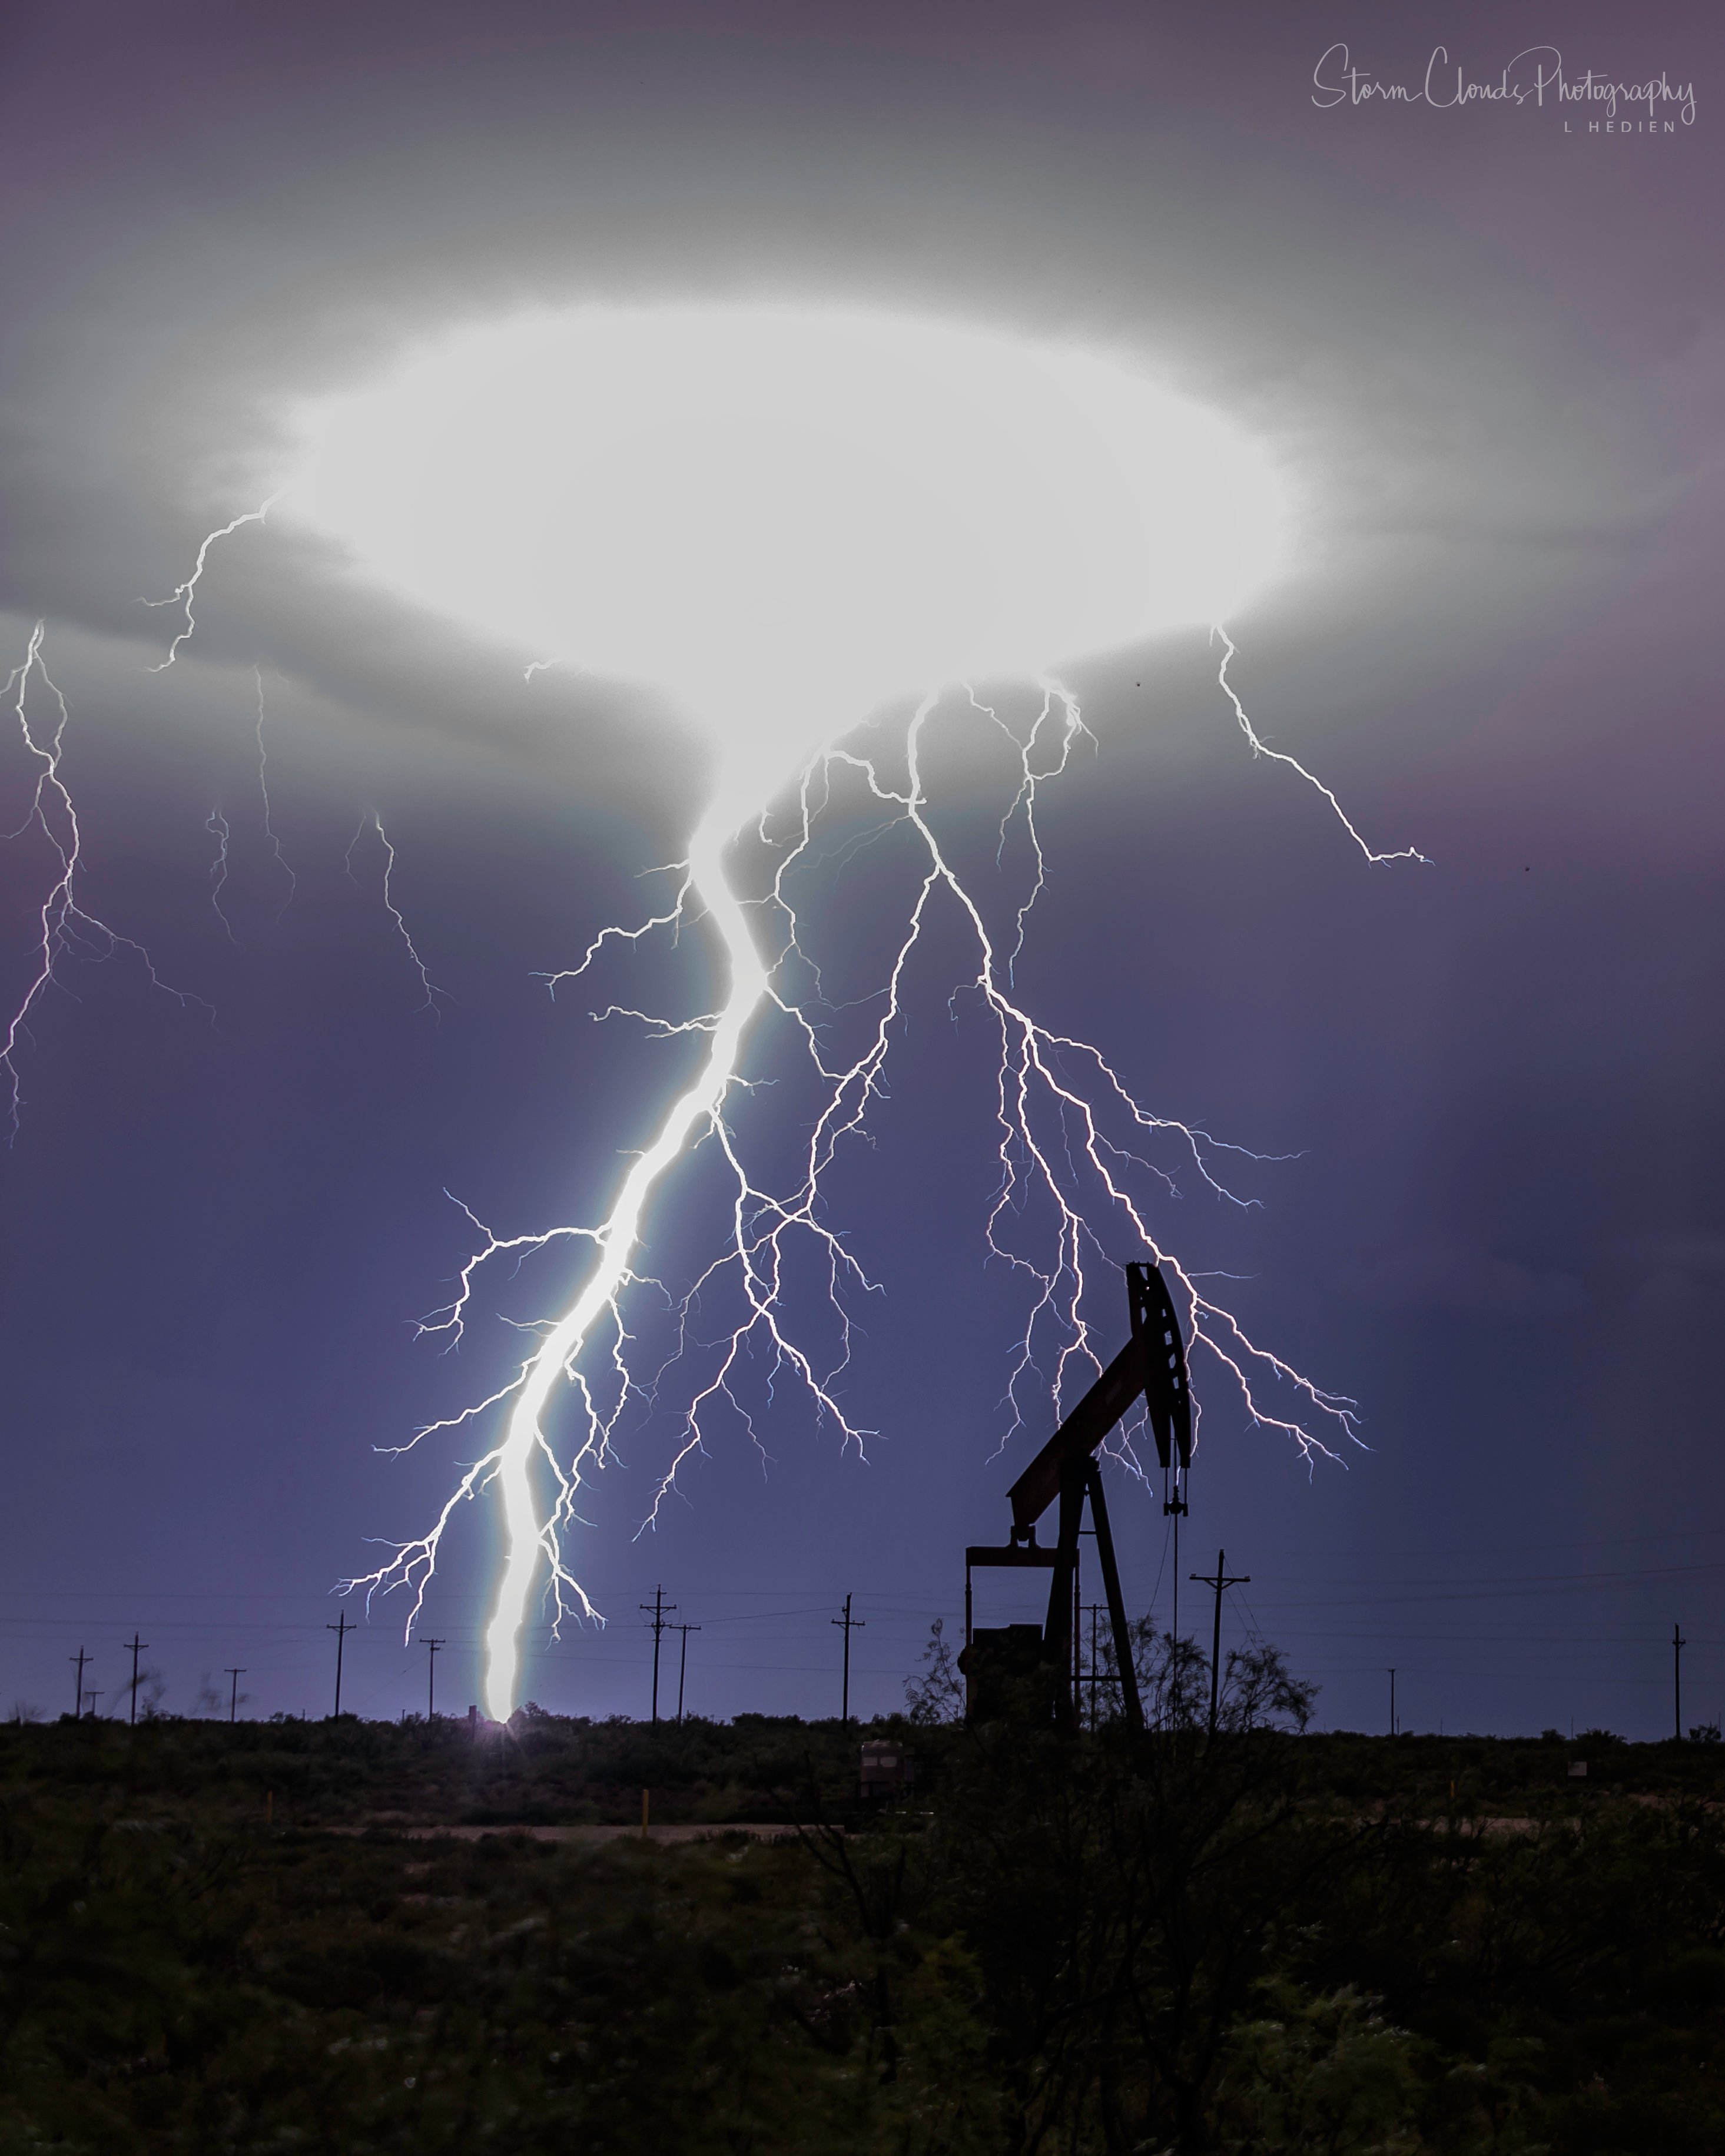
1151 1367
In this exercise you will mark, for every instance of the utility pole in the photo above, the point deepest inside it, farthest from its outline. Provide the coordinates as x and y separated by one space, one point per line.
80 1658
683 1662
656 1608
1392 1702
1678 1644
431 1679
233 1693
340 1631
92 1696
851 1624
1219 1580
137 1646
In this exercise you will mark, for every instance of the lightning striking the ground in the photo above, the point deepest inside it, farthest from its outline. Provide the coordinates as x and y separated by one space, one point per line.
1077 1170
66 931
778 496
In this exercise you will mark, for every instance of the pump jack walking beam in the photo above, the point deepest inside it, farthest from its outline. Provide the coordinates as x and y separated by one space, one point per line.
1151 1367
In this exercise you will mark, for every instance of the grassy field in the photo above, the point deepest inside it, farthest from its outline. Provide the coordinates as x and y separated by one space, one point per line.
216 1939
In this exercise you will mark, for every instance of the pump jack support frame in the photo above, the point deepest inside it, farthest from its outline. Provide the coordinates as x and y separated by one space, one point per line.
1151 1367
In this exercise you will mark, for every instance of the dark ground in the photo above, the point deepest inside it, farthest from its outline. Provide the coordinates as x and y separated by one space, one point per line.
1273 1943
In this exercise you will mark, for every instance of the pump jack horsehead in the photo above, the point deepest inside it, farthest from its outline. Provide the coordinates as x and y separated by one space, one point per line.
1016 1667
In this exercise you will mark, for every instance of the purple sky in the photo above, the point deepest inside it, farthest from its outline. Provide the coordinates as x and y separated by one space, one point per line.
1488 341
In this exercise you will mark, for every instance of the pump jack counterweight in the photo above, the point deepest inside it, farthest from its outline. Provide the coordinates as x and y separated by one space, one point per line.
1151 1367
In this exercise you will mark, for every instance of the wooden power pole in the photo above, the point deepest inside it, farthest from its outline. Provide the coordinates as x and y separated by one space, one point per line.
1219 1579
137 1646
340 1631
683 1662
657 1610
851 1624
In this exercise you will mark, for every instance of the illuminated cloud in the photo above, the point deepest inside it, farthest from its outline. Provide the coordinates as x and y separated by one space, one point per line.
784 516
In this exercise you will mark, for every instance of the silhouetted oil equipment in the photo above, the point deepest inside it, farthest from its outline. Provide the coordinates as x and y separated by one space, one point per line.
888 1770
1015 1671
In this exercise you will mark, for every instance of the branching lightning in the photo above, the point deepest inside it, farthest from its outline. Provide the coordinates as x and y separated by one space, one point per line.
1074 1148
714 549
66 929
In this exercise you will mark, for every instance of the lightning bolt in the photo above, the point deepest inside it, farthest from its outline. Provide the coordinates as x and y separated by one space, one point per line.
1073 1146
269 830
374 821
65 930
184 594
1261 747
1074 1152
216 824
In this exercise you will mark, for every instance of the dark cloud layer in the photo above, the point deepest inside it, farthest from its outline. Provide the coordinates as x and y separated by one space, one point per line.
1489 351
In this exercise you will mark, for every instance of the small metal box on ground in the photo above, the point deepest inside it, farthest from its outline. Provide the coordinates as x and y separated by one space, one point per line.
888 1770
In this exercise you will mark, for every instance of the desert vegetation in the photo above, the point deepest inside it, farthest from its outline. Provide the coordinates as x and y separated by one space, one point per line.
266 1937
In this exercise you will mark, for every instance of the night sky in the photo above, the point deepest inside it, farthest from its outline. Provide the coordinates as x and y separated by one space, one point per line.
1487 344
